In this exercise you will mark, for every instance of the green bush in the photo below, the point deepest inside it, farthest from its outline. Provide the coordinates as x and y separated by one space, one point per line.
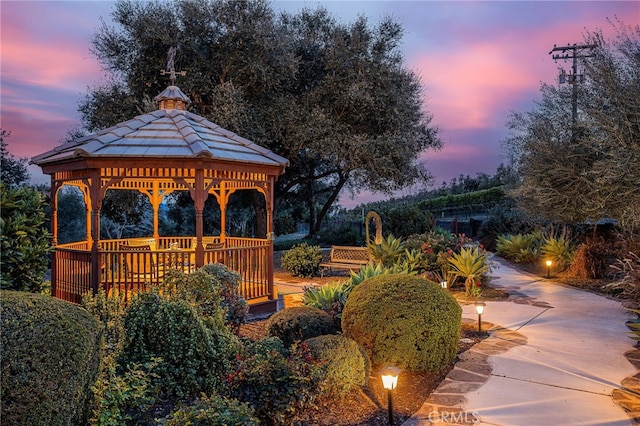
25 243
299 323
303 260
404 320
284 224
344 363
50 359
212 411
405 221
235 306
123 396
201 291
346 235
275 381
192 358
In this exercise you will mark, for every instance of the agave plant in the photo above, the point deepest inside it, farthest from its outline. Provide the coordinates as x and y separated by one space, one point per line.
324 297
558 250
521 248
330 298
414 261
470 264
388 252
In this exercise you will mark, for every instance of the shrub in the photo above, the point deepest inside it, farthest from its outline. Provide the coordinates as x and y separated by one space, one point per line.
592 258
193 358
344 363
275 381
123 396
109 312
627 275
25 243
436 243
303 260
50 359
284 223
299 323
233 303
404 320
345 235
406 221
212 411
201 291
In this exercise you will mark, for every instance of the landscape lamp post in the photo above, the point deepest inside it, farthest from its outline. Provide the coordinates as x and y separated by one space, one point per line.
389 382
548 263
480 310
443 284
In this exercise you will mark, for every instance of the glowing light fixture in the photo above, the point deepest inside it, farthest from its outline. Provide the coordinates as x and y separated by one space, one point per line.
480 310
389 382
548 263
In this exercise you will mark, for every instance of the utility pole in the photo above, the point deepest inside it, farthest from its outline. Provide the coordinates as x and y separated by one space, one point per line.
573 52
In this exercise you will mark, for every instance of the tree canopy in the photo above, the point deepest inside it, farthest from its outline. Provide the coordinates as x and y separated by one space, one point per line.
335 99
13 172
590 170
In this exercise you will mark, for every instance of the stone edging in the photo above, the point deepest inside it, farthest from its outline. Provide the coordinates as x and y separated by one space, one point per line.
469 373
628 397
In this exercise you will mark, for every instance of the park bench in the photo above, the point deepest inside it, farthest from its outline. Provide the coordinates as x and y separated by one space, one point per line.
346 257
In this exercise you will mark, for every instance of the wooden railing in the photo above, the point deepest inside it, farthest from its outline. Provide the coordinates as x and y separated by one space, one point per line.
132 271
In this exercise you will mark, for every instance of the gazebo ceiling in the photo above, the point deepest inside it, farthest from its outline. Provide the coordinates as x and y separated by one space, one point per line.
167 133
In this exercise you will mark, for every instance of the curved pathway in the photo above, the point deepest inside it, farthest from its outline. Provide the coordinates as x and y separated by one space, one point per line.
557 358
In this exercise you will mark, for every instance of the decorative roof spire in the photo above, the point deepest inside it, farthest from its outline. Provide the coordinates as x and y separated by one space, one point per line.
172 97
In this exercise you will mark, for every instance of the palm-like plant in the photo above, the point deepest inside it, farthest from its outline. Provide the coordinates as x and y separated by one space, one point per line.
470 264
388 252
558 250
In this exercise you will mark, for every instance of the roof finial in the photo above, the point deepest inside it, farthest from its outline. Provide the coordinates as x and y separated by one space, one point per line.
171 55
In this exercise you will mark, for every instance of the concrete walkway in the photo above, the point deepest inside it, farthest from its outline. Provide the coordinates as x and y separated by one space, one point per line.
556 356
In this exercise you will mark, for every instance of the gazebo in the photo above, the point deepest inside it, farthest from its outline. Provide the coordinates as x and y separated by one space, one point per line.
157 153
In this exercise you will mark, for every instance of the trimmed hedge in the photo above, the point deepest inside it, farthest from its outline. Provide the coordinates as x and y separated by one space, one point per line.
344 363
299 323
404 320
50 360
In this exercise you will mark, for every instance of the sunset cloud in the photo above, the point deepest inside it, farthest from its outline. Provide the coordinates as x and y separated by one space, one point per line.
478 60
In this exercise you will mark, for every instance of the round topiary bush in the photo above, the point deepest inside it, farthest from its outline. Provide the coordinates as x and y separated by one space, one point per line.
344 363
303 260
50 360
404 320
299 323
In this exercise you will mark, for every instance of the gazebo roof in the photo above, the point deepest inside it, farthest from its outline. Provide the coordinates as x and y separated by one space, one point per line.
166 133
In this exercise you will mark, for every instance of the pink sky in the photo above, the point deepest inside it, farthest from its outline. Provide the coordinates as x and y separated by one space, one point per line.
477 61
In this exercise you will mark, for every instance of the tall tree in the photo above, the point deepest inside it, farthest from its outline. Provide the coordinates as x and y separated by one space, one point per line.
591 170
13 172
334 99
